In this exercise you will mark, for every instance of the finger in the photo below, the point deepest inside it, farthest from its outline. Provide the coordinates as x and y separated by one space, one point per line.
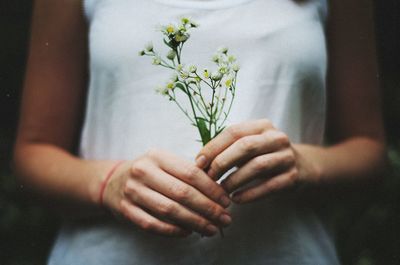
188 196
192 175
246 148
228 137
166 208
148 222
279 183
264 166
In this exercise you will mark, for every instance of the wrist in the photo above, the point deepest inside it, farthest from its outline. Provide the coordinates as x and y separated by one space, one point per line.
309 164
100 171
106 180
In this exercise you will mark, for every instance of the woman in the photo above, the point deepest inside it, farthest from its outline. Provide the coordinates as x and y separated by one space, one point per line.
137 156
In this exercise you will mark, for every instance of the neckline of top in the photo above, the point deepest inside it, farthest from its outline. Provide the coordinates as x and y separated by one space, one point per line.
201 4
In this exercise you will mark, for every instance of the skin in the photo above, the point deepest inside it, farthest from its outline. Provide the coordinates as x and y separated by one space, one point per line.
163 193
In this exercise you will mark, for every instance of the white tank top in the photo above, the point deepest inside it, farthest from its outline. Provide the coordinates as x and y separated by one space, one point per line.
280 46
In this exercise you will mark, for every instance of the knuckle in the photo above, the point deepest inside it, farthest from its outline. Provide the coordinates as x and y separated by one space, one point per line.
273 186
290 159
202 224
138 169
233 131
146 225
282 139
218 164
191 173
182 192
212 211
248 144
152 153
168 230
167 209
215 191
293 176
265 123
261 163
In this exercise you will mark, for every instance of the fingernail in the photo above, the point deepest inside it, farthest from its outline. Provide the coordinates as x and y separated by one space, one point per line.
225 201
201 161
212 229
225 219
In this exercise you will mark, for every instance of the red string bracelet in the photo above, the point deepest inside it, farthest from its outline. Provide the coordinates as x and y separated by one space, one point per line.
105 181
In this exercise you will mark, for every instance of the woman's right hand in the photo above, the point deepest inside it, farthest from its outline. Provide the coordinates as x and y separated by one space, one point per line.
163 193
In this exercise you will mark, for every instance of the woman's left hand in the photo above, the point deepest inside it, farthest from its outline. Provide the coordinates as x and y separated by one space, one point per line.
263 155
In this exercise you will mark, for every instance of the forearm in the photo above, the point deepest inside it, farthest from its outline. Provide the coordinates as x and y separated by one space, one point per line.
355 159
51 171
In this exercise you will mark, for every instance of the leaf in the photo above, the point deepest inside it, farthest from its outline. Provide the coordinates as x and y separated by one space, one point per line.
168 44
204 132
181 87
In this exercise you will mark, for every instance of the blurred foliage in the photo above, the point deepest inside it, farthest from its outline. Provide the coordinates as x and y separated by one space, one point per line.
368 232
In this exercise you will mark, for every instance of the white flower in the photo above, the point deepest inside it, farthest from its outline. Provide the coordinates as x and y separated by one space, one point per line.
216 58
223 50
156 61
149 47
184 74
170 85
231 58
236 67
162 90
174 78
179 67
223 69
170 29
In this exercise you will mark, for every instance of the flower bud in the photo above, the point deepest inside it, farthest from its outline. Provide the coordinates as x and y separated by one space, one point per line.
228 82
206 73
181 37
223 69
216 76
171 55
192 69
185 20
141 53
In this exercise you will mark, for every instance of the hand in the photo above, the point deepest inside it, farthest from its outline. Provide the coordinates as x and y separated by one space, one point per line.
264 157
163 193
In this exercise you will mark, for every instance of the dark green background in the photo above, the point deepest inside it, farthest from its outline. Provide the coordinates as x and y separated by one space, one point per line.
366 233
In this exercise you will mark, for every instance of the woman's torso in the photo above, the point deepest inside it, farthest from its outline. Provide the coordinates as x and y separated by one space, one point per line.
280 46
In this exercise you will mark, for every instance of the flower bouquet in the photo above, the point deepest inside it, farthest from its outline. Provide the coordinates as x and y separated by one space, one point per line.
210 93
